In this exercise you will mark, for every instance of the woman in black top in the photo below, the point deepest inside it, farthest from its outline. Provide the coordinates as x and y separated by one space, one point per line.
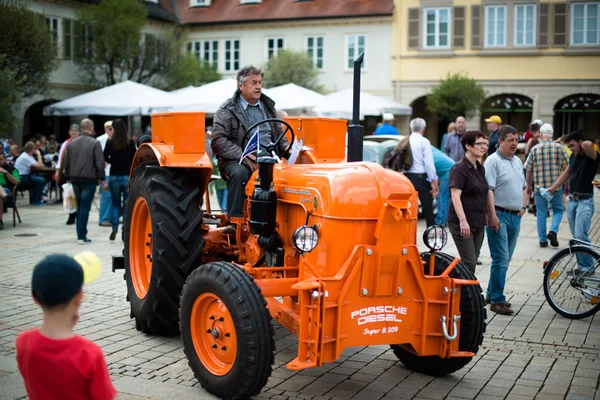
119 153
469 194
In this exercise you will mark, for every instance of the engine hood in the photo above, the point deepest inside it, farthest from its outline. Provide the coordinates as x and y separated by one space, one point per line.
349 190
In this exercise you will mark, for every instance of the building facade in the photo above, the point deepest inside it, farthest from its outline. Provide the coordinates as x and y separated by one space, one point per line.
534 59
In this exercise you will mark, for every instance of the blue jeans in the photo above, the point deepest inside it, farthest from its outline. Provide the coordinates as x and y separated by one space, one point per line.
580 215
541 206
502 245
105 206
443 200
34 182
222 197
84 194
119 185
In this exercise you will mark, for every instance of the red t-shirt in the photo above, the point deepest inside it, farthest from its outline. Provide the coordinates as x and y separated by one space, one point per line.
71 368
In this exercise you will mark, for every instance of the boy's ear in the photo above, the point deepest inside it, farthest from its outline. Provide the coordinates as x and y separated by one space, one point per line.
78 298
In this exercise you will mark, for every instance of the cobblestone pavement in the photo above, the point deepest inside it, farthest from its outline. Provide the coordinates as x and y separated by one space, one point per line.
533 354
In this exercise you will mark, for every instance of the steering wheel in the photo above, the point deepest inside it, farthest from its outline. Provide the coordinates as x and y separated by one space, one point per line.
273 146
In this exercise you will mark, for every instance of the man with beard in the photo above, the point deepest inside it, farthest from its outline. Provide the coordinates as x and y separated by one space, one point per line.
232 120
506 206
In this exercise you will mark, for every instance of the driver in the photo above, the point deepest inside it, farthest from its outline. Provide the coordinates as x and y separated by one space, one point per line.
232 120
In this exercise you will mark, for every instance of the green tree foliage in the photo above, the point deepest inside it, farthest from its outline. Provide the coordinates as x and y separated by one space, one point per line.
455 95
111 45
188 70
27 58
291 67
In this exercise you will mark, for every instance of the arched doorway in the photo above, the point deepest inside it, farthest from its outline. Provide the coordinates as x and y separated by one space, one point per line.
35 122
514 109
435 128
578 112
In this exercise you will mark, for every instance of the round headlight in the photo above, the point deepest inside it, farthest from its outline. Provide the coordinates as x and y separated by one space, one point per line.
435 237
305 238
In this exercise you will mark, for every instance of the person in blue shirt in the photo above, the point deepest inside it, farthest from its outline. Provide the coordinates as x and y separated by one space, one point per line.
387 128
443 164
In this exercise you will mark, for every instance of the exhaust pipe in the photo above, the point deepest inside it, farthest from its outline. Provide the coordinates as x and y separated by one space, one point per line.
355 130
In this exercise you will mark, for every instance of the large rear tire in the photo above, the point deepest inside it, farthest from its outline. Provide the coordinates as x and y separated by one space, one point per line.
226 330
162 244
472 323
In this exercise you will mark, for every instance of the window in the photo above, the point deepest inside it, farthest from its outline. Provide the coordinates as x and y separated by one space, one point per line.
315 49
355 45
274 45
205 50
232 55
525 25
495 26
437 28
585 21
53 23
200 3
250 1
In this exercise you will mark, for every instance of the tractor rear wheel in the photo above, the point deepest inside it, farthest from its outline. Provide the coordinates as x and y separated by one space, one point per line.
472 323
162 244
226 330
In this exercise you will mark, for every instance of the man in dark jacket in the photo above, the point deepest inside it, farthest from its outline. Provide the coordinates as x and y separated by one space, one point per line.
230 135
84 168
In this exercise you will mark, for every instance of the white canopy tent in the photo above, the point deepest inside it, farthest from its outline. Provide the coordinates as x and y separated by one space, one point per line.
339 105
206 98
125 98
293 97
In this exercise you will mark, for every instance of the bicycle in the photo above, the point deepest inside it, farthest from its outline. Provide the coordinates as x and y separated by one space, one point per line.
570 285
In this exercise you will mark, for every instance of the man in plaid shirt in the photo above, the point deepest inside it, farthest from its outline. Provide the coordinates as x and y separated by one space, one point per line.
546 161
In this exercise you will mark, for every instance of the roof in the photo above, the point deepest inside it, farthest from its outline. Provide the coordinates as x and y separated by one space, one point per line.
231 11
161 11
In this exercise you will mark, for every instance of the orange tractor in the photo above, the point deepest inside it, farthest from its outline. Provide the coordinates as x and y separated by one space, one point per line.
326 247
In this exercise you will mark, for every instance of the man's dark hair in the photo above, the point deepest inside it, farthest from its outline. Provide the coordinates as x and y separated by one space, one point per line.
575 136
469 138
506 130
248 70
533 127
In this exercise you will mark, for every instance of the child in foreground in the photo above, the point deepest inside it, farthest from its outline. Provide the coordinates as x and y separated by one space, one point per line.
56 363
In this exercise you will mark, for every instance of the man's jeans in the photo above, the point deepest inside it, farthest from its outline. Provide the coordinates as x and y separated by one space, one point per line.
502 245
84 193
105 206
443 200
33 182
580 215
541 205
222 197
118 185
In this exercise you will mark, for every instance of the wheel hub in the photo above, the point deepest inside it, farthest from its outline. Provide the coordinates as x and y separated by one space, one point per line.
215 333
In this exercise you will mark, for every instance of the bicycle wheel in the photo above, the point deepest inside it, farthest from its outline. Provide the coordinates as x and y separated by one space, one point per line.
571 286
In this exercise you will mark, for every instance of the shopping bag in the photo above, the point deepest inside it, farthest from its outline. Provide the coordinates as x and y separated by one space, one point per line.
69 201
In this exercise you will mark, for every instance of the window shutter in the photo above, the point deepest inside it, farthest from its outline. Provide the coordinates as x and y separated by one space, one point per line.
459 28
78 40
543 39
559 24
414 28
476 27
67 36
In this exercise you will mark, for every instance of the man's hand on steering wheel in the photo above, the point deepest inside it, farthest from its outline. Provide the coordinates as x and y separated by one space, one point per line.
274 146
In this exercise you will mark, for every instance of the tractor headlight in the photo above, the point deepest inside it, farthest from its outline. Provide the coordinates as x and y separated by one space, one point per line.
435 237
305 238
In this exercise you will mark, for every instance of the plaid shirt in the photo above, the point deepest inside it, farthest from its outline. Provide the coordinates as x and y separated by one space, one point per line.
547 160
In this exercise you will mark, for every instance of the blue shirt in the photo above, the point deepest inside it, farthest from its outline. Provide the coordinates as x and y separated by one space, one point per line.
443 163
245 104
386 129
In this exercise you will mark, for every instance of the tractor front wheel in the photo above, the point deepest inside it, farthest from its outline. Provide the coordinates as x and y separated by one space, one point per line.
472 323
226 330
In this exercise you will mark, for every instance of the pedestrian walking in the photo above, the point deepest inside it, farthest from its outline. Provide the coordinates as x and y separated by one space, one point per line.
106 211
505 178
493 124
469 193
84 168
543 167
422 172
443 165
581 172
453 146
119 153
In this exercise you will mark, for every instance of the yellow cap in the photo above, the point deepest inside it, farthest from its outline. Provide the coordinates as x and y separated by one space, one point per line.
90 263
494 118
